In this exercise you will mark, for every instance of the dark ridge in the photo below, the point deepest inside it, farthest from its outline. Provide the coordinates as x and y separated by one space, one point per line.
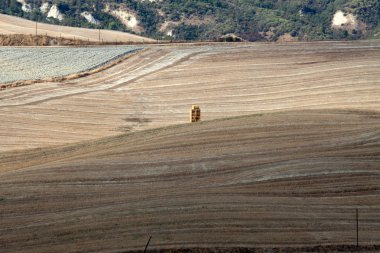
326 248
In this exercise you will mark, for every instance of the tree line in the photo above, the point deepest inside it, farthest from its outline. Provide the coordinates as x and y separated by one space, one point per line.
210 19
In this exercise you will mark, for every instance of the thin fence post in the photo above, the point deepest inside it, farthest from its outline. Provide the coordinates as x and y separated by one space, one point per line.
147 244
357 229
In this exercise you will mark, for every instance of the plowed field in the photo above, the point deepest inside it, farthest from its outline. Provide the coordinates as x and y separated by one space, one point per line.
287 150
288 179
157 87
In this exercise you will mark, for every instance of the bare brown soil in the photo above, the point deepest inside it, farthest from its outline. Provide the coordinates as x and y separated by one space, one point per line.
286 180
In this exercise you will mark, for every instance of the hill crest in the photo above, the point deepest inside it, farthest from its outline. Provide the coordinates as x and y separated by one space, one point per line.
210 20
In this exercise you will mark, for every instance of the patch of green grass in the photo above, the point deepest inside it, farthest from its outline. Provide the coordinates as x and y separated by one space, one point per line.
376 33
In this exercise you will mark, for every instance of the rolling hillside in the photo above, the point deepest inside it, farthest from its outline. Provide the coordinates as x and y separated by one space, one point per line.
287 150
15 25
157 86
277 180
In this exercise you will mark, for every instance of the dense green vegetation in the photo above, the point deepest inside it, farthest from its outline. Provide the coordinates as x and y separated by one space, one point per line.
210 19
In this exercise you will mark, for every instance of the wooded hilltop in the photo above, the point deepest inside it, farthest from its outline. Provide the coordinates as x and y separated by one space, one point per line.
251 20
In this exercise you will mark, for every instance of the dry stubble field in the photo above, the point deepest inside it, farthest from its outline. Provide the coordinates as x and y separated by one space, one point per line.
157 87
290 175
15 25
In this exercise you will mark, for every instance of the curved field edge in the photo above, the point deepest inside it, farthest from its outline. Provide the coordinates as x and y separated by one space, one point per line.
281 180
95 69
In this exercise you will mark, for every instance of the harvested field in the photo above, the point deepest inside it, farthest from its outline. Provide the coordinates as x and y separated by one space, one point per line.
278 180
15 25
18 64
286 178
157 87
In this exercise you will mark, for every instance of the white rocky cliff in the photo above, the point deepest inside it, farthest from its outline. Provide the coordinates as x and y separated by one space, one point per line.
55 13
26 7
345 21
45 7
89 17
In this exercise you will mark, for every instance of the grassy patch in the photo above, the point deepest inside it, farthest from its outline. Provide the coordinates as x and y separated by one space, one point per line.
376 32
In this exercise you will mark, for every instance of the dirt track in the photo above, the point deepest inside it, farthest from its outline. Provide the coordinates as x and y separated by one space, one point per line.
289 179
15 25
157 87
